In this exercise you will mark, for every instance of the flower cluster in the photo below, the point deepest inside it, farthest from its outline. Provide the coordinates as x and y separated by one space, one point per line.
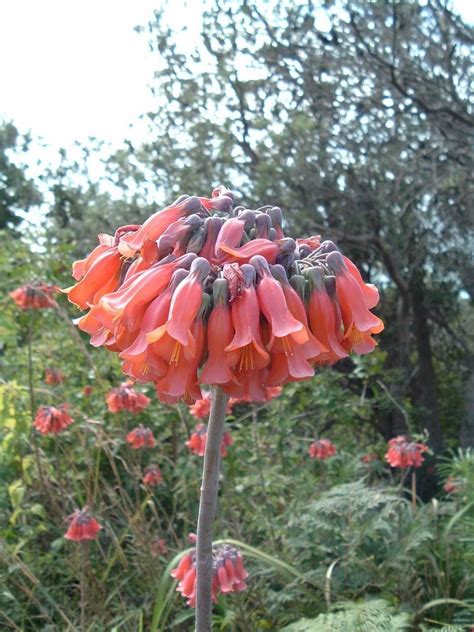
322 449
141 437
53 377
152 475
51 420
82 526
404 453
229 574
197 441
37 295
205 293
125 397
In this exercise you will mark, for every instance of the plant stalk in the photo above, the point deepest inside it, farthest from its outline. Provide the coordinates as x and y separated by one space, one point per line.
83 587
413 492
31 389
207 509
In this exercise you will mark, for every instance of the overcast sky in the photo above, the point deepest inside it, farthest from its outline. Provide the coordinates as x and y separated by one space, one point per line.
71 69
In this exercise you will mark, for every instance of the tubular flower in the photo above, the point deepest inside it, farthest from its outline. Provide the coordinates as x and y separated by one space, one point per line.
369 458
197 441
82 526
141 437
53 377
271 392
452 485
51 420
202 407
404 453
205 293
152 475
125 397
322 449
158 547
229 574
37 295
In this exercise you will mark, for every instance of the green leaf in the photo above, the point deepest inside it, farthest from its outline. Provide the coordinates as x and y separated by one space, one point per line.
16 492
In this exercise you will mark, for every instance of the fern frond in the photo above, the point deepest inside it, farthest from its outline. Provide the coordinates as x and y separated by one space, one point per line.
369 616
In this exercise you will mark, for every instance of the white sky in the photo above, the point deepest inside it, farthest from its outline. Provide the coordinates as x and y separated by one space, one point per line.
70 69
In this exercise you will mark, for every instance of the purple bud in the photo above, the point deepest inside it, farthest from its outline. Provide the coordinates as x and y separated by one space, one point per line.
191 205
327 246
248 217
303 251
222 204
220 291
263 223
178 276
185 261
279 273
200 267
335 261
196 242
249 274
261 265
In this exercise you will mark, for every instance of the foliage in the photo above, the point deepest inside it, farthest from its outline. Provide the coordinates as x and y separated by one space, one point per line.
356 118
371 616
313 534
18 192
352 116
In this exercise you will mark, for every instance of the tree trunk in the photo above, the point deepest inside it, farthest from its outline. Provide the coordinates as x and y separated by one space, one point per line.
466 434
425 394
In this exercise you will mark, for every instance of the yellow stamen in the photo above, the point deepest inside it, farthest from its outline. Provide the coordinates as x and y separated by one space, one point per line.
246 358
287 346
176 353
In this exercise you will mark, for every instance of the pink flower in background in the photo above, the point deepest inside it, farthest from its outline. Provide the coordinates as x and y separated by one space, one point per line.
52 420
152 475
141 437
452 485
202 407
53 377
197 441
229 574
370 458
125 397
82 526
37 295
322 449
404 453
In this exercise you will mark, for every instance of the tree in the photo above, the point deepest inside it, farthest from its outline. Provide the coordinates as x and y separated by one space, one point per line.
350 114
81 205
18 193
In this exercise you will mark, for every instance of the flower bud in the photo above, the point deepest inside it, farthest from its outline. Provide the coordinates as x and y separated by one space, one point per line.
220 291
200 267
249 274
196 241
263 223
191 205
248 218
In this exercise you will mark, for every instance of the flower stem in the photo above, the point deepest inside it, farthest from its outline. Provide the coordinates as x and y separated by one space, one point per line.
83 587
31 389
413 492
207 509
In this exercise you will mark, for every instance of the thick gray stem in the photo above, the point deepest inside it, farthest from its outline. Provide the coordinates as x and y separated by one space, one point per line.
207 509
